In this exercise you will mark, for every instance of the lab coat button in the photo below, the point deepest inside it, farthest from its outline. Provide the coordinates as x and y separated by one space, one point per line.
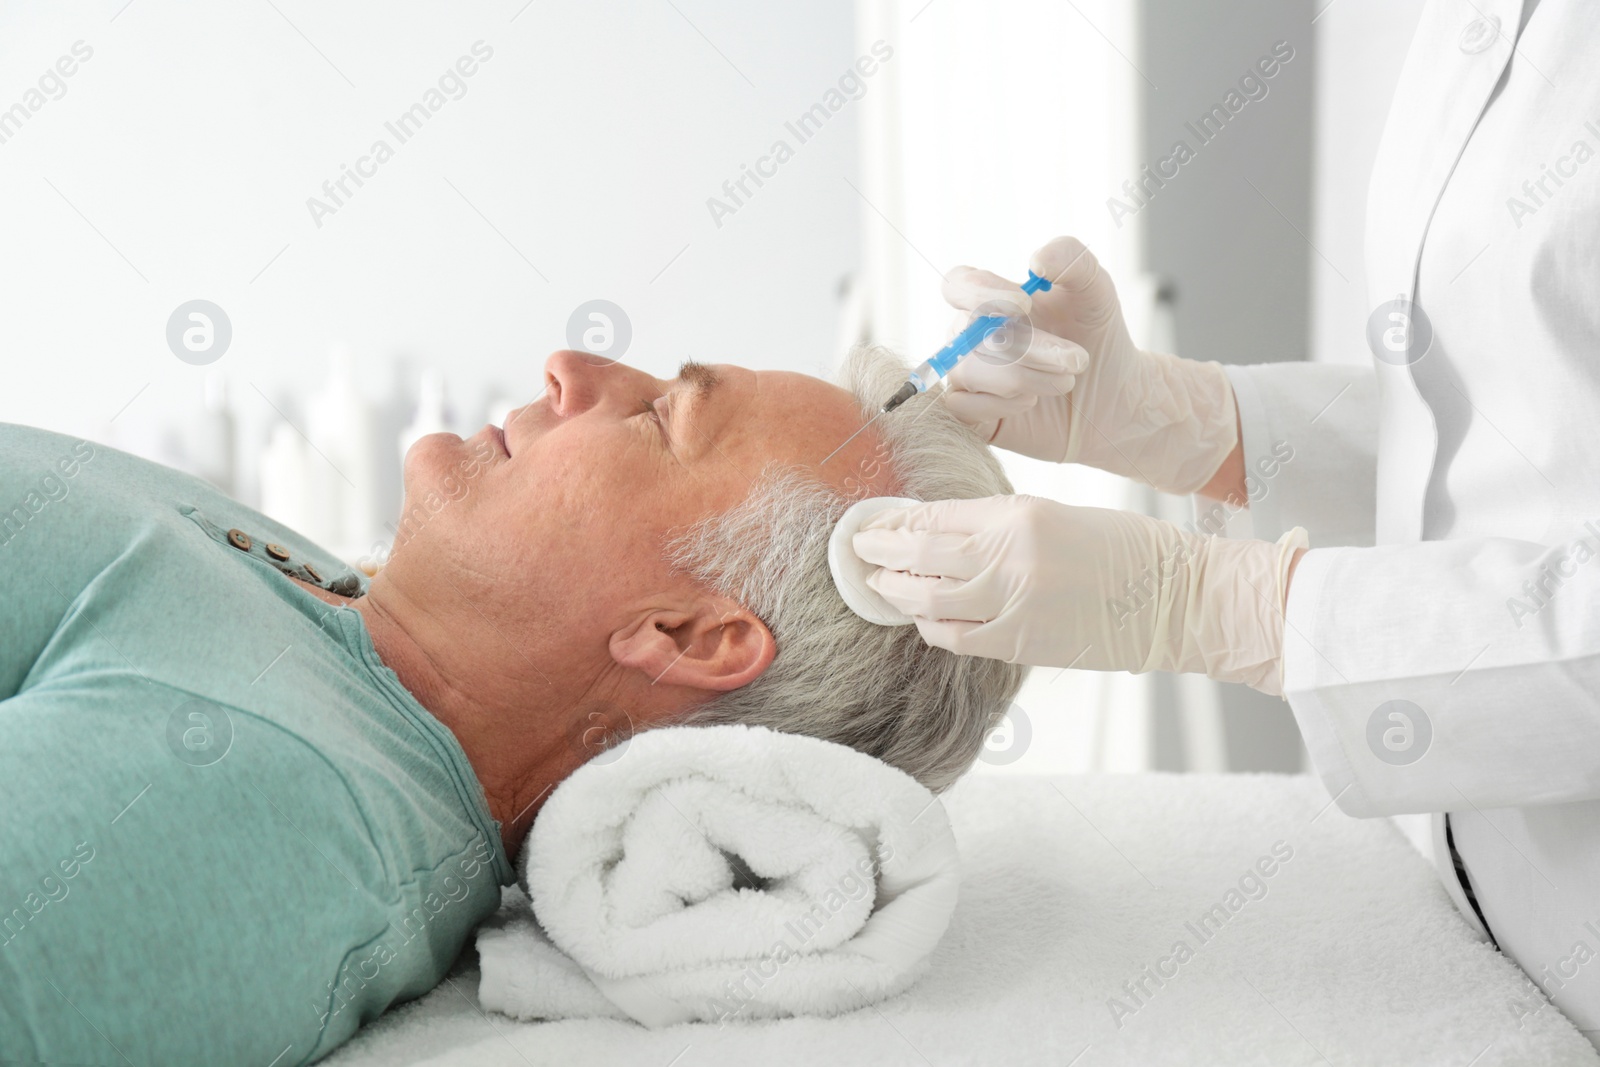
239 539
276 551
1480 34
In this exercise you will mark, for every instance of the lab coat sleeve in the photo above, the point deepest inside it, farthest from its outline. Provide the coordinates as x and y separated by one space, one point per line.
1425 677
1310 454
1442 675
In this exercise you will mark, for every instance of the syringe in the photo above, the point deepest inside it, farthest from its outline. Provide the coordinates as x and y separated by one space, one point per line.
923 377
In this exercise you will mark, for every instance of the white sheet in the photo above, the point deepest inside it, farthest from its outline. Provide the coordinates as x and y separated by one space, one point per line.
1072 886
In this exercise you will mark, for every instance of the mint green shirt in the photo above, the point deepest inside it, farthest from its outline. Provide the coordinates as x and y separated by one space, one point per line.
230 835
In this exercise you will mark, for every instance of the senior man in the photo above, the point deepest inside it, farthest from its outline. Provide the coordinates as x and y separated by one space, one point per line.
254 799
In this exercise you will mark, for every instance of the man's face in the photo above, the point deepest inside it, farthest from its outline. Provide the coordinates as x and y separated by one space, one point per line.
564 517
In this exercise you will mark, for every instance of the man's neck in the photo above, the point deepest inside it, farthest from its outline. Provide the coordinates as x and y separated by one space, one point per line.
499 730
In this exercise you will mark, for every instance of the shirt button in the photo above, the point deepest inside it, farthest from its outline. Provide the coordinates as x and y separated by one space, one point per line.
1480 34
277 552
239 539
313 572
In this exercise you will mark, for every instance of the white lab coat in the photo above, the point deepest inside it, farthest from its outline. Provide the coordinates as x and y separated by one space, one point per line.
1470 472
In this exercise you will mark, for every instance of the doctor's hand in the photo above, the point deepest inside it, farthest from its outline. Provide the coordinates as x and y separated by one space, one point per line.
1029 580
1069 385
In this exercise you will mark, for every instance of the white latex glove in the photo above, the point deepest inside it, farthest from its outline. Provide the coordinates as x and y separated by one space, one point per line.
1077 390
1030 580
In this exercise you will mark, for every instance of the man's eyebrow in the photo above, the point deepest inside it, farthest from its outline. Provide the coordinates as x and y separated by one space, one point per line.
700 378
700 381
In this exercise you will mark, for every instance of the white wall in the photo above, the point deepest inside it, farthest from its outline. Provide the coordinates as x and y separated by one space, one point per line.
1006 124
183 153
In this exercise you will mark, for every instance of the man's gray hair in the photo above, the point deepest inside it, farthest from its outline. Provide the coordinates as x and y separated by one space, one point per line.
879 689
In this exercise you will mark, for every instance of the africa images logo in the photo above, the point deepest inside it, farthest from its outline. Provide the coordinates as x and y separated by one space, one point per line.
1399 732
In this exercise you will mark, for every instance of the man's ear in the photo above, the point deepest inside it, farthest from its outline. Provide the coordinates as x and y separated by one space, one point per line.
713 644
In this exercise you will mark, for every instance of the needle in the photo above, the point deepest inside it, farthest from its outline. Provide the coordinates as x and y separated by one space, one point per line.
852 437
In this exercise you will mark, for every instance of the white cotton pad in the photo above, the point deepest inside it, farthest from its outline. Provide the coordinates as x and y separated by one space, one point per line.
850 571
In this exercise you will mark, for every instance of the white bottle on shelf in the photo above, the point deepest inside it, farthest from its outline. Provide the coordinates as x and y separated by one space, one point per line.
284 493
211 444
431 416
343 475
500 408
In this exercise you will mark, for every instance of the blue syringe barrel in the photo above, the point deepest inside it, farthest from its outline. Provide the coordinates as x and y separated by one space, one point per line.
931 371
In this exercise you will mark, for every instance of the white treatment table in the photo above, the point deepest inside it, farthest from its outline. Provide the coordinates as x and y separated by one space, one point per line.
1349 953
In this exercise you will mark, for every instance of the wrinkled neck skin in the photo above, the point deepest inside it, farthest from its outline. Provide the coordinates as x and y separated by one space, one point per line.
523 730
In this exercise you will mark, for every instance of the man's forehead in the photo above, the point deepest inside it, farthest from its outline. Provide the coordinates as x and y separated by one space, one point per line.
802 392
821 426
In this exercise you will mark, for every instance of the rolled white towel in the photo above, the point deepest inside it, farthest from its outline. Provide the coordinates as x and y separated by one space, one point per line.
711 872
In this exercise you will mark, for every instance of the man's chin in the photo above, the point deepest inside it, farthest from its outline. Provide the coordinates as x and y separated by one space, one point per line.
441 468
430 452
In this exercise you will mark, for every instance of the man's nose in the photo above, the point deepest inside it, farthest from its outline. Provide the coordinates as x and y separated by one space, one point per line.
579 381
